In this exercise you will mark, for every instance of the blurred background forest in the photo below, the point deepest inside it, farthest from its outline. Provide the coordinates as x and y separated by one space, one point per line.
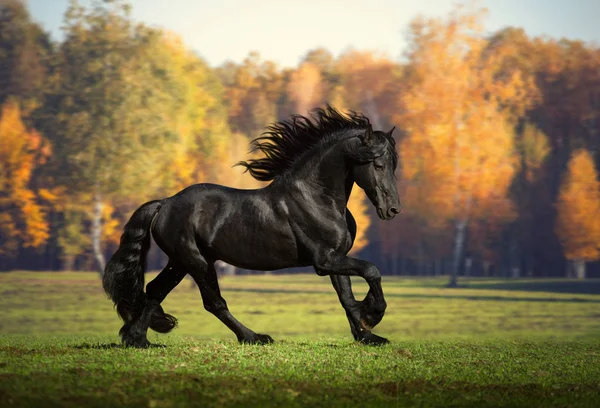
498 136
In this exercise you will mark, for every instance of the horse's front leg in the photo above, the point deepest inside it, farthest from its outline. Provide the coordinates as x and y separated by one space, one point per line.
362 315
356 311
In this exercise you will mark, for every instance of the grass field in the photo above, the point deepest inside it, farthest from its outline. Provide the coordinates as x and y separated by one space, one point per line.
488 343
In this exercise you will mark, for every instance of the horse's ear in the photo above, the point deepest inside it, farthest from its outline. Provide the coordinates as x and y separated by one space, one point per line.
391 131
368 137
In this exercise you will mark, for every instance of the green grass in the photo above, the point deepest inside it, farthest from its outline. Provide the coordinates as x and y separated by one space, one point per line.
488 343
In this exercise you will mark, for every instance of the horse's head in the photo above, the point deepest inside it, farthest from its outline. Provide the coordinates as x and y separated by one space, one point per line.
374 162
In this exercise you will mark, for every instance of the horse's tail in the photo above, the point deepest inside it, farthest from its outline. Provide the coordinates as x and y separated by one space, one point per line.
123 278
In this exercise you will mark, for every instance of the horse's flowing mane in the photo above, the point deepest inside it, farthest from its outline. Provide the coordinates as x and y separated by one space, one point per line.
284 142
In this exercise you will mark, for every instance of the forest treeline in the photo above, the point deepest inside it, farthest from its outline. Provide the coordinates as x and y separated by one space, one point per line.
498 137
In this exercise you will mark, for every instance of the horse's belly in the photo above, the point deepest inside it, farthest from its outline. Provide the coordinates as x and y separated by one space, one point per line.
260 247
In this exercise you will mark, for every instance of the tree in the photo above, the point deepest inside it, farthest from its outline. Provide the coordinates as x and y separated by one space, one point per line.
305 88
116 100
370 82
457 114
22 218
532 150
24 51
252 90
198 118
578 207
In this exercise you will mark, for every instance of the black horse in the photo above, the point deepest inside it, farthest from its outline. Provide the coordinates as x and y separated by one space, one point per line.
299 219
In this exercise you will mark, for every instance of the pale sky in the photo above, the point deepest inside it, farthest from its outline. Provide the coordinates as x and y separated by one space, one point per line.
283 31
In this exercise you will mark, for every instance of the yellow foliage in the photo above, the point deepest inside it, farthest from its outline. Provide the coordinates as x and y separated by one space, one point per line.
578 206
21 150
369 79
305 88
458 156
111 226
220 167
358 206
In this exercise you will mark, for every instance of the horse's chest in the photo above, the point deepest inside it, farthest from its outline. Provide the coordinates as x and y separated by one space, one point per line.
333 234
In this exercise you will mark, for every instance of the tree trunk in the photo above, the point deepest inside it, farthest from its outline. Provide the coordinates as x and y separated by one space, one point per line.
68 262
486 269
420 265
97 233
468 266
394 265
459 240
514 259
579 268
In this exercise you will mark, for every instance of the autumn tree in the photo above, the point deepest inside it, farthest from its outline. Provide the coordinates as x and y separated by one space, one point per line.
252 90
568 82
305 88
460 136
198 119
370 83
24 52
116 99
532 148
22 219
578 208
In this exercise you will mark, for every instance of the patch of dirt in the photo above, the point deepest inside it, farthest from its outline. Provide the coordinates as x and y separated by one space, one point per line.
404 353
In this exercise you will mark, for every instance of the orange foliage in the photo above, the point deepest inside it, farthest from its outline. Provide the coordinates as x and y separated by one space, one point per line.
370 82
22 220
458 154
251 92
305 88
358 206
111 225
578 222
220 167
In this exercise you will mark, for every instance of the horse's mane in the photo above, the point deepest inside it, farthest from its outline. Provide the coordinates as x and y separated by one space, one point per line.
284 142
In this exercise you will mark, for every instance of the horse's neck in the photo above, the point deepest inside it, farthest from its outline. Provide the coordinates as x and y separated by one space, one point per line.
330 173
348 186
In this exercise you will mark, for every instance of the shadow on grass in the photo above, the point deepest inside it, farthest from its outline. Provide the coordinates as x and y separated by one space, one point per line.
458 296
179 389
109 346
583 287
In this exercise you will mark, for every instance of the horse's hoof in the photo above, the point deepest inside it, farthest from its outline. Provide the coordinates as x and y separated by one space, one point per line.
373 339
370 314
136 342
258 339
139 344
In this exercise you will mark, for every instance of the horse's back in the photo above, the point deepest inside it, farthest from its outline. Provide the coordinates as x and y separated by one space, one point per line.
245 228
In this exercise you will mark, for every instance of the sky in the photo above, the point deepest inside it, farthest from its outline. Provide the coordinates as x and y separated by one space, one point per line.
284 31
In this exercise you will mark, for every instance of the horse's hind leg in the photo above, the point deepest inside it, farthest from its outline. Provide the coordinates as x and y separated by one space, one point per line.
205 275
159 287
134 333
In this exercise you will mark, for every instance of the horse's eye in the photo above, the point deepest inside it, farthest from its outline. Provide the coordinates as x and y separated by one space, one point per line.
378 166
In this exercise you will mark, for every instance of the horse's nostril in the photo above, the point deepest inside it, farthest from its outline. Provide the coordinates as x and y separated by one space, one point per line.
395 210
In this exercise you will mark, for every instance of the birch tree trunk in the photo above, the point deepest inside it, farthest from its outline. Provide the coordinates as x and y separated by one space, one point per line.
97 233
579 268
468 266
